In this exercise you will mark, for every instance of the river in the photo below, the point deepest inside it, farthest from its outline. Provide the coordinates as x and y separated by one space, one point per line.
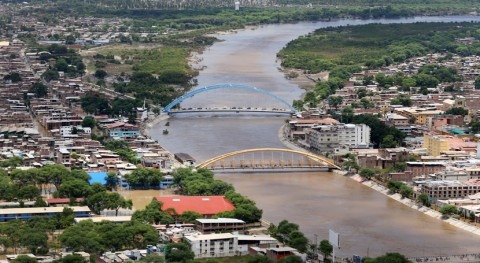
368 222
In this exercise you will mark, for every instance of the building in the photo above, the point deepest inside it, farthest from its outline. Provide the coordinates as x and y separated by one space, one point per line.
207 206
450 189
435 144
213 245
424 168
27 213
275 254
122 130
99 219
327 138
296 128
220 225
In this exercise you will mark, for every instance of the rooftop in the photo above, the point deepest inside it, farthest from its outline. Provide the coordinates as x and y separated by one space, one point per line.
205 205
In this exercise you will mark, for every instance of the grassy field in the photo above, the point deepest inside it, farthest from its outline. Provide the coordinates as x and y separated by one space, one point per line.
155 60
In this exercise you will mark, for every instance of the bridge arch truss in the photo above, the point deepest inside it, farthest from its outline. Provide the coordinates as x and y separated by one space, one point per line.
320 159
225 86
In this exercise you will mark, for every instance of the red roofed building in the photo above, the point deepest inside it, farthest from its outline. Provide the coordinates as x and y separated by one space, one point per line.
205 205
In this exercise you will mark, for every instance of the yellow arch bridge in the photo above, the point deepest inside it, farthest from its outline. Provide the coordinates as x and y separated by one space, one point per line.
260 159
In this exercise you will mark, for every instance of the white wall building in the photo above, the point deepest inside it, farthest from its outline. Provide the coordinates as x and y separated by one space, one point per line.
66 131
326 138
213 245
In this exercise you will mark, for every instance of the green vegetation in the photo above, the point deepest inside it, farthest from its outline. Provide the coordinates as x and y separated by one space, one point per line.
144 178
33 233
457 111
399 187
448 210
424 200
376 45
388 258
108 236
153 214
289 234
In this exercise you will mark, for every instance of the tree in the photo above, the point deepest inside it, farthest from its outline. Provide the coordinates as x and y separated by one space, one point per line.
401 100
335 101
389 142
24 259
100 73
74 188
388 258
474 126
190 216
70 39
88 121
448 210
178 252
477 83
14 77
258 259
39 89
13 162
291 259
326 248
153 214
143 177
115 201
153 258
73 258
406 191
367 172
424 199
82 237
111 180
457 111
50 74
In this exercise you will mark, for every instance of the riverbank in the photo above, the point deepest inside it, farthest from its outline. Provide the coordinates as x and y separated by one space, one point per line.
426 210
381 189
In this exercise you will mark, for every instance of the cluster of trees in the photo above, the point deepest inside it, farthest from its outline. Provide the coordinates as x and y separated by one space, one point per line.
14 77
25 185
378 45
399 187
201 182
289 234
66 60
33 233
108 236
121 148
388 258
94 103
144 178
144 85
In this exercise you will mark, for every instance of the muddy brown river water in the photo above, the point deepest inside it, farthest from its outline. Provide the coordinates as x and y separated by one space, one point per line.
368 222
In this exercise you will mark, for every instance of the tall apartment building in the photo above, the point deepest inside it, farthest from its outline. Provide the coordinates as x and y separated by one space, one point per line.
327 138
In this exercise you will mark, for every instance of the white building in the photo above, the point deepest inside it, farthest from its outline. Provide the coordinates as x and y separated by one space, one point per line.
226 244
327 138
213 245
66 131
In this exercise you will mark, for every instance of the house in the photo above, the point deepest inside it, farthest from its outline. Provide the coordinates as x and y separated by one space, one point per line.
122 130
207 206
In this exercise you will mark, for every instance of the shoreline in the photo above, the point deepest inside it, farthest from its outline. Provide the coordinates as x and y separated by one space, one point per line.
383 190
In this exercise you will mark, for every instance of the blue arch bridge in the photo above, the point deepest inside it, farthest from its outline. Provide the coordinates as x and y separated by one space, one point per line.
170 108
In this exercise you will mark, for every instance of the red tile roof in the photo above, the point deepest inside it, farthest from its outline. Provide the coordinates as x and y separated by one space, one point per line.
205 205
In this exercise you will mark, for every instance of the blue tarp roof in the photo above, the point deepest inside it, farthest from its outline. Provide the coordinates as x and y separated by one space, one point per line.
97 177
